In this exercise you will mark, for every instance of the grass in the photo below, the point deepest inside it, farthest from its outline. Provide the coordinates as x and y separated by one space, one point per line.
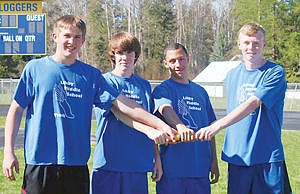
217 102
291 141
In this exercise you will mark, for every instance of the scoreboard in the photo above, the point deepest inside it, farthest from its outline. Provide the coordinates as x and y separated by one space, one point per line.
22 28
22 34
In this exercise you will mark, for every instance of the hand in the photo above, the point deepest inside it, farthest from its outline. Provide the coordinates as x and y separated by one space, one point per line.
159 137
177 140
157 171
10 162
214 172
186 134
171 134
207 133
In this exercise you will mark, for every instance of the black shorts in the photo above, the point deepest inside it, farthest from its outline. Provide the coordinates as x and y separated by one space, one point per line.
55 179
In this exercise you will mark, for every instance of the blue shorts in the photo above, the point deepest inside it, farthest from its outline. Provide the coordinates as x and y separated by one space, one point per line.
270 178
112 182
170 185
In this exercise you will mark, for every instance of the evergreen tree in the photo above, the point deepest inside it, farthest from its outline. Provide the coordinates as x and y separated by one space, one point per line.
159 30
219 48
281 21
9 66
288 37
98 35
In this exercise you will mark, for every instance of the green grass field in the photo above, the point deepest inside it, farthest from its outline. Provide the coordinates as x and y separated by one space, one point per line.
291 141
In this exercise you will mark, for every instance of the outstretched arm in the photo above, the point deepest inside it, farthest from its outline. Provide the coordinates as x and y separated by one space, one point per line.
158 136
207 133
13 120
137 113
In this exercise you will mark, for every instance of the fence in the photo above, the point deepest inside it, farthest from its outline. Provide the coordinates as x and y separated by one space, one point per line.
7 88
217 94
215 90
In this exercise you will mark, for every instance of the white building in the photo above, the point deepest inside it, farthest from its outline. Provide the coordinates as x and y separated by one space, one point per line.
213 76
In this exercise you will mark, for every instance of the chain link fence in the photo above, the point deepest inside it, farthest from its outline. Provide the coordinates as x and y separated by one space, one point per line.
7 88
216 91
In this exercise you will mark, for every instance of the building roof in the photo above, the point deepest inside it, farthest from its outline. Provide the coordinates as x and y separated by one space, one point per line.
216 71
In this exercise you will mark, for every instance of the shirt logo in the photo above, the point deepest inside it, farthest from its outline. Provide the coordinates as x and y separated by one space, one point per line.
61 97
184 110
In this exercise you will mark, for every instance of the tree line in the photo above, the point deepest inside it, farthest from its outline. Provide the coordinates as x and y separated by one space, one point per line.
208 29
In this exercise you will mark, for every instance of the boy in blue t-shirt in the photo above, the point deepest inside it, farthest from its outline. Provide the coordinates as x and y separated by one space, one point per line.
255 99
123 155
185 106
59 92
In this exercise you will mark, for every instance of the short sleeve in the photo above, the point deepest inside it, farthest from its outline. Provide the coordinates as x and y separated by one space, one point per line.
105 95
161 96
24 92
273 86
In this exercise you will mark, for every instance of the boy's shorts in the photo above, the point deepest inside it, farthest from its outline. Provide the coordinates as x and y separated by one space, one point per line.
113 182
270 178
172 185
58 179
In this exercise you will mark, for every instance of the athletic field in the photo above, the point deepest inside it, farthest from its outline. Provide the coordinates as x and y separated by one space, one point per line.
290 138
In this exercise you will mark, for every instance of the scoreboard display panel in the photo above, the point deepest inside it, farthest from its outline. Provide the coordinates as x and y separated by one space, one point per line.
23 34
22 28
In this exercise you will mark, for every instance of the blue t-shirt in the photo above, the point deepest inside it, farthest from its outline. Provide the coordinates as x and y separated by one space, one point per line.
193 107
120 147
59 100
256 139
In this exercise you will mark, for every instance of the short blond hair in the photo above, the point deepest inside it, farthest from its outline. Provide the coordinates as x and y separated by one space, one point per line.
69 21
252 28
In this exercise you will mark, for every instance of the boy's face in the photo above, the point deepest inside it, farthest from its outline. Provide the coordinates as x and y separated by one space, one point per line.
252 46
124 62
68 42
177 62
